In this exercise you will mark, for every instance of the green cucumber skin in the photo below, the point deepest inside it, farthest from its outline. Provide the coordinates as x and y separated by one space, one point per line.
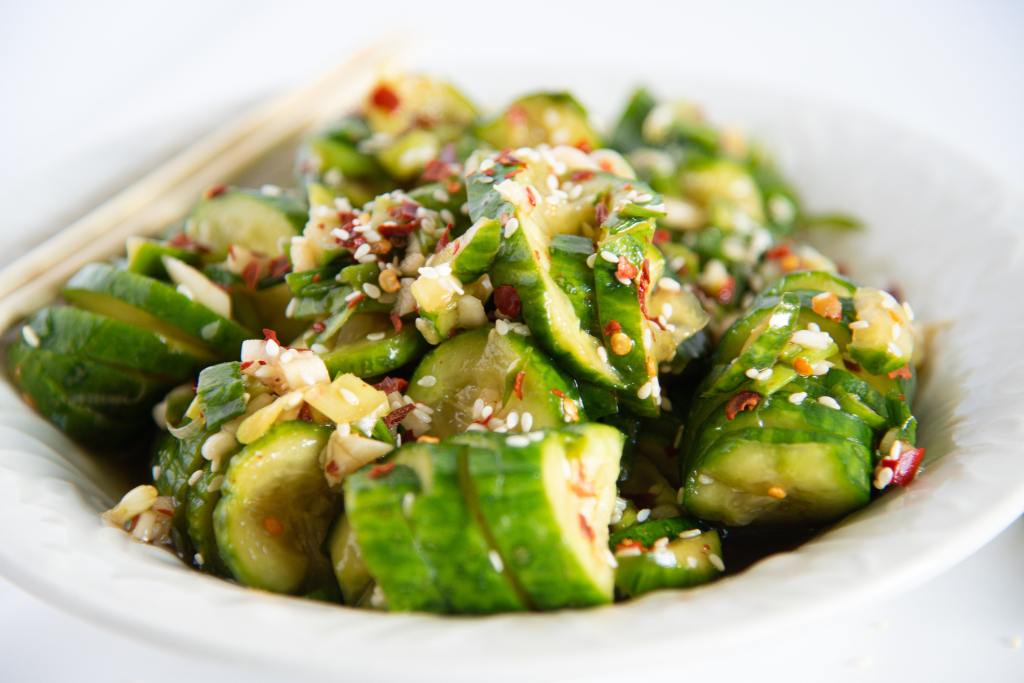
66 330
849 485
373 505
639 574
620 303
161 300
178 460
289 449
449 536
476 254
148 258
515 266
280 216
372 358
117 394
200 504
762 352
570 271
508 483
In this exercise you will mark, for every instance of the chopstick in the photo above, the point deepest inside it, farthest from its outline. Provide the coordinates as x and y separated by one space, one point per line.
165 194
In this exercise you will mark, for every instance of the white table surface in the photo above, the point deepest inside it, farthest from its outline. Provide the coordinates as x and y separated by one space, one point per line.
82 85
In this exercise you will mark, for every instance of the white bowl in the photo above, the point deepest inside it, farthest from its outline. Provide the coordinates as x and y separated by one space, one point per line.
938 225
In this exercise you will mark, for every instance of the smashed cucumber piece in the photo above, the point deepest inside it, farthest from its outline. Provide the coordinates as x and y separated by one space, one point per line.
275 510
493 379
555 118
253 219
665 553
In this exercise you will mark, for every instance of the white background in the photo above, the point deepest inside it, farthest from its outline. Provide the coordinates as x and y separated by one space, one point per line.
95 93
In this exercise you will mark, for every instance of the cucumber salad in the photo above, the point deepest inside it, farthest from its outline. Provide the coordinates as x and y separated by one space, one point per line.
475 363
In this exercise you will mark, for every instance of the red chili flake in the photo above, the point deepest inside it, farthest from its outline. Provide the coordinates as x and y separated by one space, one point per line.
851 365
505 158
585 526
396 229
902 373
581 176
437 169
559 393
530 196
515 171
506 300
183 241
354 301
642 285
583 489
396 322
606 166
661 236
489 172
612 327
245 365
380 470
404 212
453 186
516 115
384 98
584 146
443 240
458 245
744 400
517 388
319 327
316 277
625 269
270 335
392 384
905 469
306 413
727 291
331 467
600 213
281 265
251 274
215 191
398 414
777 252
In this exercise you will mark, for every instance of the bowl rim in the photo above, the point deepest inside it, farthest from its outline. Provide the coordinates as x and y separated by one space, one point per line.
972 533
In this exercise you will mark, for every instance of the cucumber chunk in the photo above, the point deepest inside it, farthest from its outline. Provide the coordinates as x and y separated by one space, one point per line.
547 501
272 520
368 345
156 306
66 330
350 569
506 373
249 218
374 498
555 118
145 257
664 553
467 569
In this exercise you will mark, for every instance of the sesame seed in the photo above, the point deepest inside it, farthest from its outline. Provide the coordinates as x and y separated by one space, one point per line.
883 477
194 477
526 421
643 515
485 179
609 256
828 402
429 272
361 251
798 397
510 227
859 325
501 325
372 290
486 412
716 562
691 562
512 419
591 260
644 392
752 373
624 281
779 320
427 381
690 533
517 441
156 471
705 480
669 284
351 296
349 397
375 336
30 336
644 197
765 375
495 560
811 339
440 195
478 408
